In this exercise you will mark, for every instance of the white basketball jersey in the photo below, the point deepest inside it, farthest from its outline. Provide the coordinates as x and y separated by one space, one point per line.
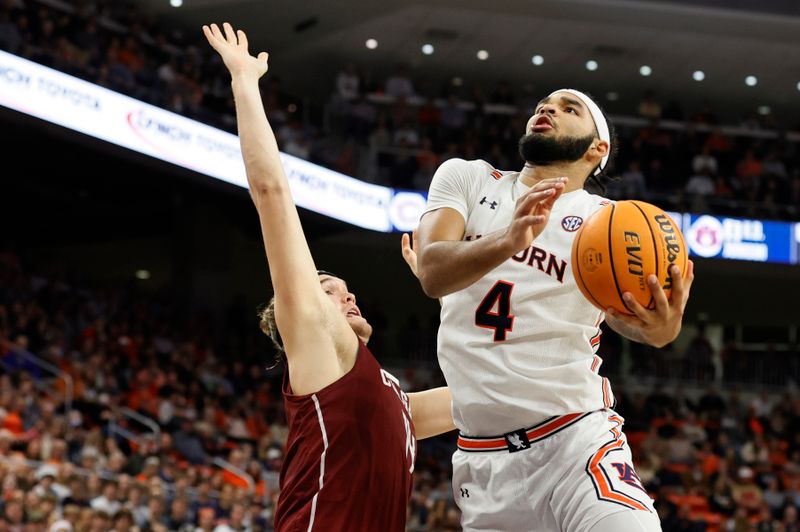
519 345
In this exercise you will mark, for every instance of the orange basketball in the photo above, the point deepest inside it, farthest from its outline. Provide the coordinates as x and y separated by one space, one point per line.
619 246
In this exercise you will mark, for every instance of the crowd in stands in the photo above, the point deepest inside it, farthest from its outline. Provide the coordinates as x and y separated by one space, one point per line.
88 466
396 131
712 461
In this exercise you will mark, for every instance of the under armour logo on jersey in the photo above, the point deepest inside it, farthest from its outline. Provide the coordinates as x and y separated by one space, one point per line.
517 441
571 223
492 205
464 492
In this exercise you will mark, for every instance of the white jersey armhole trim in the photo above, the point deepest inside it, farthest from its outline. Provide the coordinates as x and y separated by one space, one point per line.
321 460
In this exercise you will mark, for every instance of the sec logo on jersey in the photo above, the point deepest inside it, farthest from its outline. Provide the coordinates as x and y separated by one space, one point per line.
571 223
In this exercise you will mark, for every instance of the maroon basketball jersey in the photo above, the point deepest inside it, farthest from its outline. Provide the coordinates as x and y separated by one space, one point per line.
350 454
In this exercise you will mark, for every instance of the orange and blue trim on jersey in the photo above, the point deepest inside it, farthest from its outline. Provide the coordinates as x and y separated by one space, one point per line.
615 430
534 434
594 341
608 396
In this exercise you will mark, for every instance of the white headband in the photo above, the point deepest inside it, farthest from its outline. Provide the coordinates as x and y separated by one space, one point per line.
599 121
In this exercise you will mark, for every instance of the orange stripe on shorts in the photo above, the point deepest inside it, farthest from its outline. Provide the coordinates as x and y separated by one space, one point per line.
602 483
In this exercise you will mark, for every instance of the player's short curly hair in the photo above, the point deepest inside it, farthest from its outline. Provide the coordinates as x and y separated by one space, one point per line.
268 325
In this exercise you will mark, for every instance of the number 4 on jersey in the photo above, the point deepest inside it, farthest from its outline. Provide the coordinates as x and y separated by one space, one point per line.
501 320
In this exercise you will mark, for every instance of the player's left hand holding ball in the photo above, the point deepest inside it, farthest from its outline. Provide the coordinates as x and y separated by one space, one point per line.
659 326
232 47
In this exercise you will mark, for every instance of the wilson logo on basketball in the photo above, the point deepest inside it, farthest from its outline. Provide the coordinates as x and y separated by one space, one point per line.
571 223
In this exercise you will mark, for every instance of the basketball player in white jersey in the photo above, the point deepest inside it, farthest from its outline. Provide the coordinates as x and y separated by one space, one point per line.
540 447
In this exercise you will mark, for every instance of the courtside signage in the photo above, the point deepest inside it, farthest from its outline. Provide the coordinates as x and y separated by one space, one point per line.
740 239
70 102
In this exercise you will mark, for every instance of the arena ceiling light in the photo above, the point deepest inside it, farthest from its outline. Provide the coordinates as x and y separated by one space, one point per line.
371 44
483 55
427 49
764 110
645 70
698 75
612 96
591 65
751 81
143 275
537 60
798 85
176 3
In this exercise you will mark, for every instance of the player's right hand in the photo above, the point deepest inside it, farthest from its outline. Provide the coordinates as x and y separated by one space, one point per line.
232 47
532 211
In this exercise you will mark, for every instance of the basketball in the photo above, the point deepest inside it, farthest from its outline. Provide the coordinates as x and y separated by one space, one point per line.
619 246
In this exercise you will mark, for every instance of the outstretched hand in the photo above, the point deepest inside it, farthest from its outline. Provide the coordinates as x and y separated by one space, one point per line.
232 47
532 211
659 326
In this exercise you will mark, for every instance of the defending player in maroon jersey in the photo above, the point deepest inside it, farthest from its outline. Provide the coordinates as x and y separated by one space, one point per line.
371 461
351 447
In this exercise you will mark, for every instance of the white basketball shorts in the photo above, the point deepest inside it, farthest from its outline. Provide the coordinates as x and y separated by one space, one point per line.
566 474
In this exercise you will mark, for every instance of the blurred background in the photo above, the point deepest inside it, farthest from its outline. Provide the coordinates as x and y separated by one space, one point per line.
134 382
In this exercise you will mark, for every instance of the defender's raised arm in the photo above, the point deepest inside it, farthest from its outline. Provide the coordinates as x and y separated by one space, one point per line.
301 305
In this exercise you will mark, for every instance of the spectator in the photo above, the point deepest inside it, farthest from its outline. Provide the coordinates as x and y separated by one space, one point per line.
633 182
705 161
718 144
68 521
123 521
750 167
773 166
406 135
10 36
790 520
179 514
348 84
236 521
745 491
649 107
773 495
454 118
502 94
705 115
699 187
399 85
206 520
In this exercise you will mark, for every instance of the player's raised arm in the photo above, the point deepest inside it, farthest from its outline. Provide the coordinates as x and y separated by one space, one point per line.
447 263
311 330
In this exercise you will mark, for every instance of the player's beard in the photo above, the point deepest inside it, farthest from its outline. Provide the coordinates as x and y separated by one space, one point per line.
542 150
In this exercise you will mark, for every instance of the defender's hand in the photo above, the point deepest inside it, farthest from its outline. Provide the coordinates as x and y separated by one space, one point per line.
408 246
659 326
232 47
532 212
